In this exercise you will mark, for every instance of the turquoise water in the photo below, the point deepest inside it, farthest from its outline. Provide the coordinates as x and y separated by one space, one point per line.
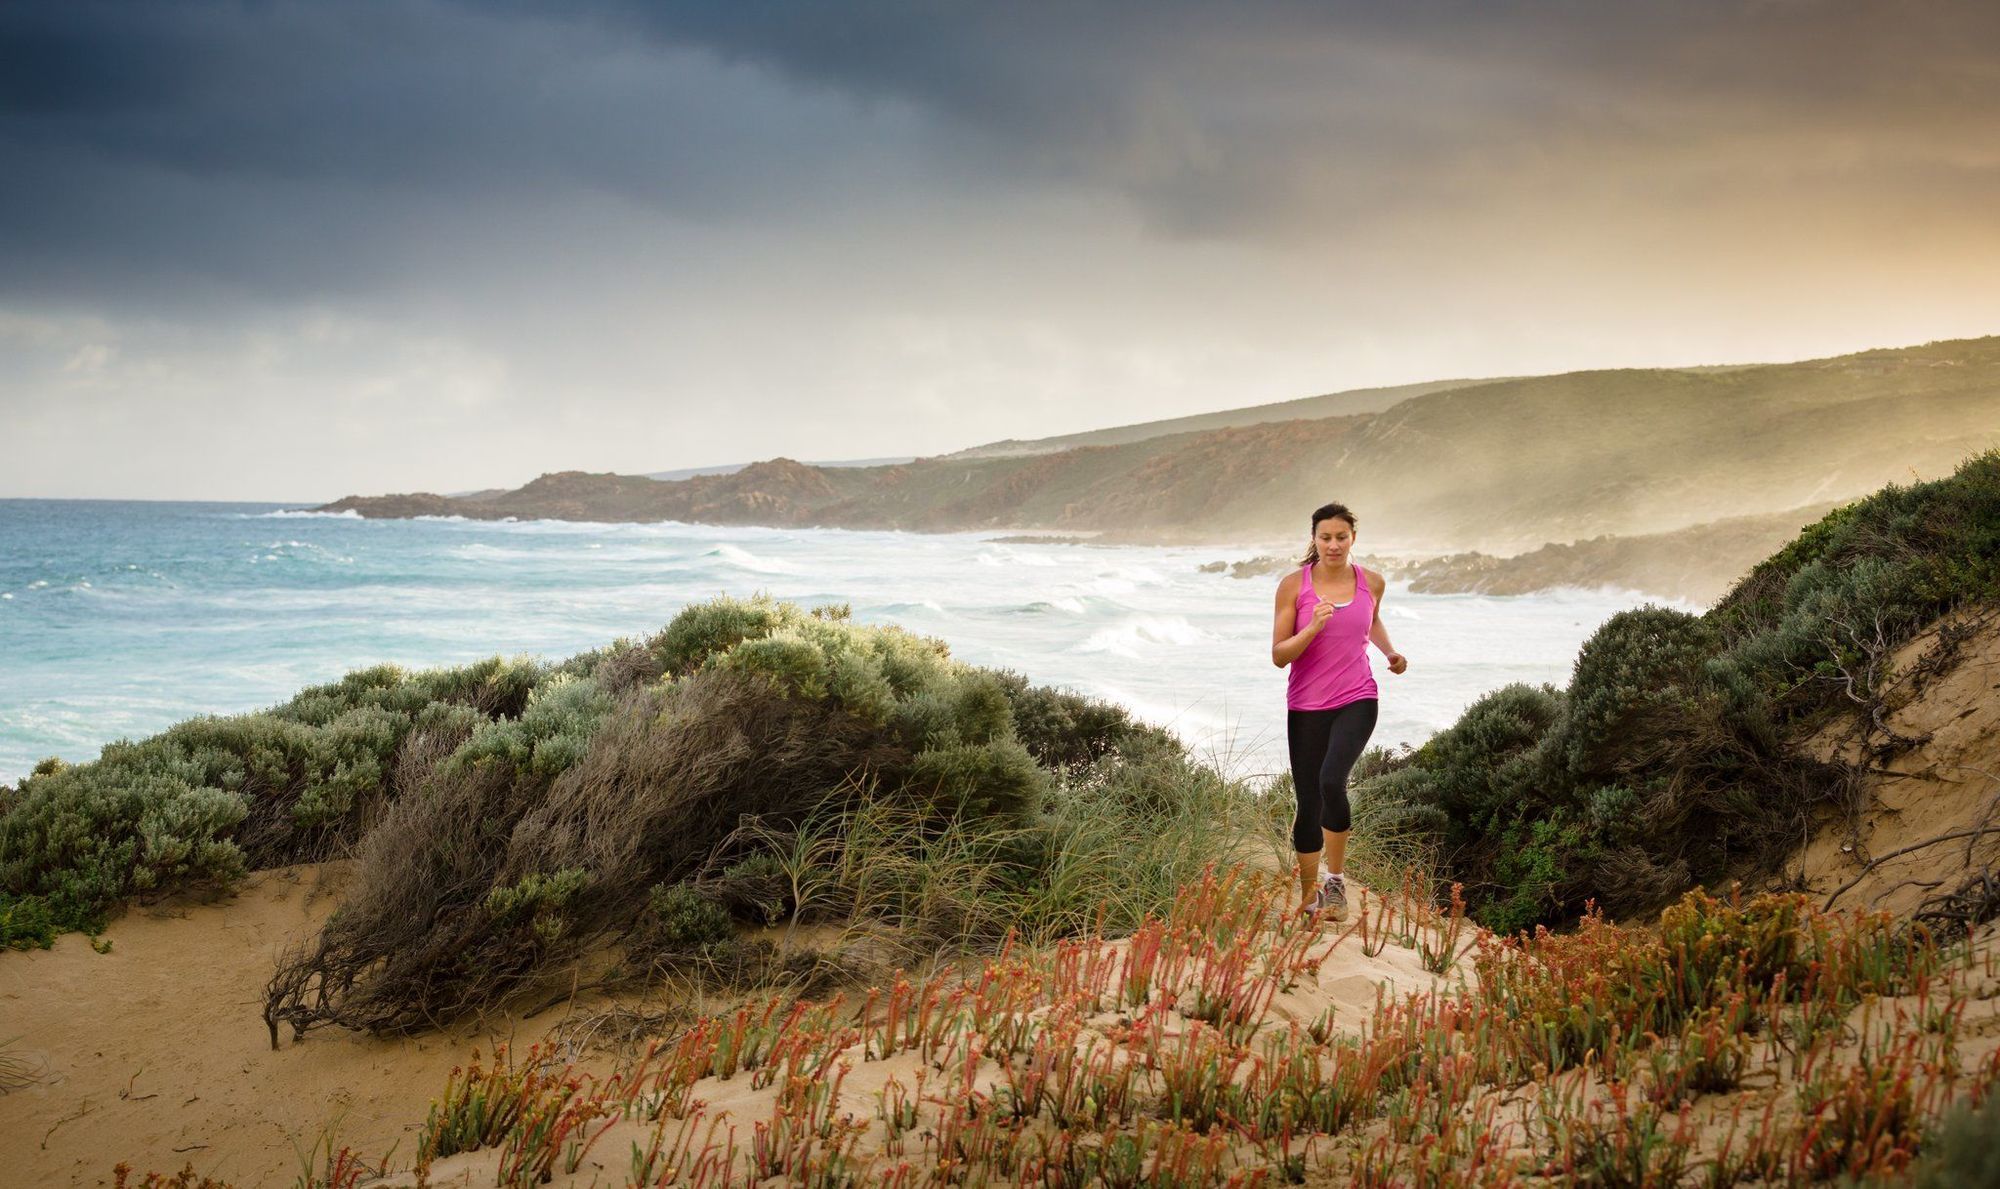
120 618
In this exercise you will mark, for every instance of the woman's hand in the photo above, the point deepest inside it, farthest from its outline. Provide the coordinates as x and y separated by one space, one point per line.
1322 611
1398 662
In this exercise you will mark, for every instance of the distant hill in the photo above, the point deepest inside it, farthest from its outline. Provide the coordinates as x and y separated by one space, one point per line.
1499 466
1307 408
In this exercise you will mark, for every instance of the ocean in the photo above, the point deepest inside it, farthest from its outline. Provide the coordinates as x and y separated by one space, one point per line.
120 618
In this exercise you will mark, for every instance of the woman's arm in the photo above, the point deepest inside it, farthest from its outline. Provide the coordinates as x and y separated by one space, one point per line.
1286 644
1379 635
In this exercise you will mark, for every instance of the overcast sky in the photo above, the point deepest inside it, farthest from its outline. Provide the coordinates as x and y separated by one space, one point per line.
293 251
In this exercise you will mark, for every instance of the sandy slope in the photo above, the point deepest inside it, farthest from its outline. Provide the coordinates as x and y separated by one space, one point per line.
1348 982
156 1053
1948 783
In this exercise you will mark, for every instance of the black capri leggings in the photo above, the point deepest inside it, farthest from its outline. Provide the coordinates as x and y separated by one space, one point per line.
1325 744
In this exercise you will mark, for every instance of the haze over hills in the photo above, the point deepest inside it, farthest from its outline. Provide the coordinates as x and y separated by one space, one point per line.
1498 466
1309 408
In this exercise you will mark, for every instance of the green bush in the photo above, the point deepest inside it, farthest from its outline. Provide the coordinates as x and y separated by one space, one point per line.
1638 674
541 903
1068 732
81 839
996 780
1964 1151
27 924
757 890
710 629
770 736
681 920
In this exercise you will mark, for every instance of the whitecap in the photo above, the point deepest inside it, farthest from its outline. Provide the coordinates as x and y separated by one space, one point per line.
1068 605
918 605
1139 634
743 559
478 551
309 514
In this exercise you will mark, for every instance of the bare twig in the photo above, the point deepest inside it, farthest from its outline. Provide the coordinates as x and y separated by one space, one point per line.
1897 853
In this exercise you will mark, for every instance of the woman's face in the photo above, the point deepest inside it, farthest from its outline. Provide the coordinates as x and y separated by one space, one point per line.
1332 538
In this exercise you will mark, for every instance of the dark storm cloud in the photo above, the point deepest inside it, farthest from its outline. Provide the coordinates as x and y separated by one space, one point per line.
301 149
291 148
1221 116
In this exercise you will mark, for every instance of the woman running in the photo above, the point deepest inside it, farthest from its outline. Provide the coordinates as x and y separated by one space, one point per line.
1327 614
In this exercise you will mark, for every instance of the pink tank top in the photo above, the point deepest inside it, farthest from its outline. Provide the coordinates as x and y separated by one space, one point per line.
1333 670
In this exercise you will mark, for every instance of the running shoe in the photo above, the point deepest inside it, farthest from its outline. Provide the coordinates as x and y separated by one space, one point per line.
1332 897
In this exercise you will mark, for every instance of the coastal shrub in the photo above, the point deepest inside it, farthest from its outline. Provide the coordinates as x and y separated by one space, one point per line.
26 923
1964 1150
1066 731
1482 769
1805 621
681 920
1669 758
997 781
771 740
1636 678
80 839
209 798
620 668
709 629
756 890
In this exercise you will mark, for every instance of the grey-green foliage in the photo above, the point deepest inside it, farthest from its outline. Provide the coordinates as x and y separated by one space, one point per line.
707 630
1468 773
1068 732
1634 678
765 720
203 801
682 920
541 902
1964 1150
550 733
81 838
